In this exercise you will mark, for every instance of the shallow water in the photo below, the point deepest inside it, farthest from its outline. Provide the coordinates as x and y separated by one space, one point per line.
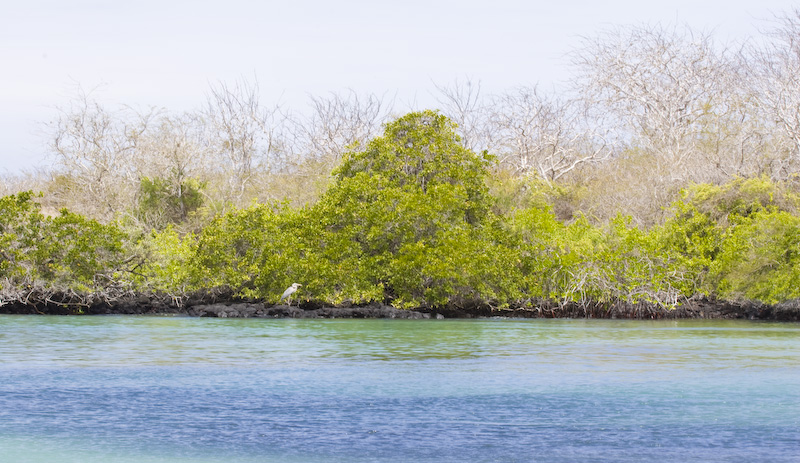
166 389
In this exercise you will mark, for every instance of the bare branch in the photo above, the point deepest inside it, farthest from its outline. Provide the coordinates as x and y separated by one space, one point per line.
244 134
535 133
339 123
463 104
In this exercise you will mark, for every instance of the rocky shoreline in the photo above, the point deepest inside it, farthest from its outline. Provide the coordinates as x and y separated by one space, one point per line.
221 307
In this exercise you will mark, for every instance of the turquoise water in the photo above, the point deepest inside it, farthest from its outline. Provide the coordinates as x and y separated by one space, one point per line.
153 389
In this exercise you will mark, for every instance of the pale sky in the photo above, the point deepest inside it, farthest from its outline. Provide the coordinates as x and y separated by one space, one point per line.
166 53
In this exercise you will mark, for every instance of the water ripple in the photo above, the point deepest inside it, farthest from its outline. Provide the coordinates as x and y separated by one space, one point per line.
148 389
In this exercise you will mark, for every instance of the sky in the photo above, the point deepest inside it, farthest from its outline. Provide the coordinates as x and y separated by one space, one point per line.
168 53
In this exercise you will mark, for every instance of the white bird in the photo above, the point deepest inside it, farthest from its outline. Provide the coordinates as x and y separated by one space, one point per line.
289 291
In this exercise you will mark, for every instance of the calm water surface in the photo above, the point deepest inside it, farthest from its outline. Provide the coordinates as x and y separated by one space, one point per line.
153 390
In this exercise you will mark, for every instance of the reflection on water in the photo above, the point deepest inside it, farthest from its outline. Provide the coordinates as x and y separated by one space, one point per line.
202 390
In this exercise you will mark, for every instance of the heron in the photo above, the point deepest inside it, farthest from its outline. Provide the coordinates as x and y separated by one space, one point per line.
289 291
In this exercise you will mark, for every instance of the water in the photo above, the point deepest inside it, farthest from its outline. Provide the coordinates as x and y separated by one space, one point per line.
153 390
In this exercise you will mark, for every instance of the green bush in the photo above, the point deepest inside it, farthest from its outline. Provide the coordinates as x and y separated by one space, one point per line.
736 240
21 229
166 262
759 258
63 252
409 220
164 201
415 206
406 220
581 262
231 249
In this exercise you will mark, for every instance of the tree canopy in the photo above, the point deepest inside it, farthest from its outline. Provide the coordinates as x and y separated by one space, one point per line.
409 219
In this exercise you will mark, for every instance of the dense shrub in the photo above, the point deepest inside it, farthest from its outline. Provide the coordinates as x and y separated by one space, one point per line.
760 258
736 240
408 219
67 251
415 205
163 201
164 262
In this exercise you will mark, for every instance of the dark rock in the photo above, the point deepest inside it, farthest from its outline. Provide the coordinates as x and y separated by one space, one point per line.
222 304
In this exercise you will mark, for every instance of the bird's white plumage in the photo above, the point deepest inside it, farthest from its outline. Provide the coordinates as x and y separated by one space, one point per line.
289 291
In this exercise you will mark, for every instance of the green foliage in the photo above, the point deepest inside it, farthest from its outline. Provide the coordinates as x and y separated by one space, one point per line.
420 150
740 198
231 248
20 232
760 258
166 261
66 251
458 268
414 209
410 220
736 240
409 183
635 267
75 249
163 201
261 250
583 263
543 261
693 239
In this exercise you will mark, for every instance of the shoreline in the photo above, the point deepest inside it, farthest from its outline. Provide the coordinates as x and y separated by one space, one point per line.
222 307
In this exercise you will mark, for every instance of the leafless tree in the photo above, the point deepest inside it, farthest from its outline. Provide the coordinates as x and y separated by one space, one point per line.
244 134
29 180
337 123
534 133
174 147
663 85
774 79
174 153
96 148
463 103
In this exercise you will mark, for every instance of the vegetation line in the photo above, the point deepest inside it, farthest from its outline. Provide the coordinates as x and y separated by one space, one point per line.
410 221
666 175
